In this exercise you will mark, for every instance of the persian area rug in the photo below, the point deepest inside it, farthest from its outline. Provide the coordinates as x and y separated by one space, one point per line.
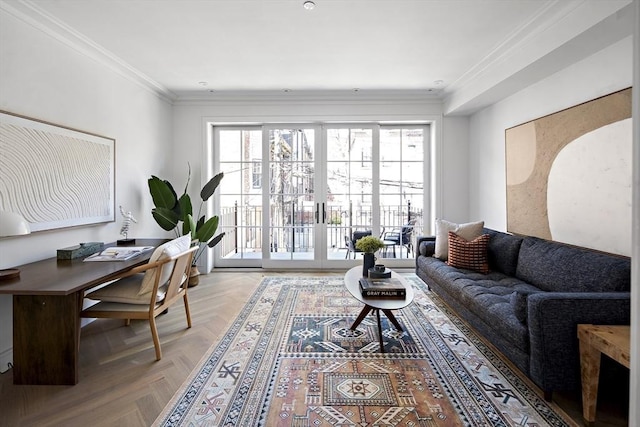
291 359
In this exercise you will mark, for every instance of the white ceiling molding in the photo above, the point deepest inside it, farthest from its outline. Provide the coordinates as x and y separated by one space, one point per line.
556 38
31 14
311 96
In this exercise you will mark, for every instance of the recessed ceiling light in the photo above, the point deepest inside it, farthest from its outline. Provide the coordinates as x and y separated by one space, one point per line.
309 5
438 82
203 83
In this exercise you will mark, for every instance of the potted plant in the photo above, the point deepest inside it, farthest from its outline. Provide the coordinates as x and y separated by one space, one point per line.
176 213
369 245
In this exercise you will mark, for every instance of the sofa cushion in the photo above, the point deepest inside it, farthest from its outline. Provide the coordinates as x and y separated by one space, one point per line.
487 296
471 255
502 251
469 231
557 267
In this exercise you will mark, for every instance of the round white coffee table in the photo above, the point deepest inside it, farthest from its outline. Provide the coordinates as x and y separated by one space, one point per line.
351 281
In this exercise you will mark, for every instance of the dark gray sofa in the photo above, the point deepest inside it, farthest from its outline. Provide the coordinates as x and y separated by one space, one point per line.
528 306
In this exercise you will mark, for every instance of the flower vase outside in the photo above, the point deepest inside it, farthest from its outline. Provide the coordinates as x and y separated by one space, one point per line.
368 262
194 276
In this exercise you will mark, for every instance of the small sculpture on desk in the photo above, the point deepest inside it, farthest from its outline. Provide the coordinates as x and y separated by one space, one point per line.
126 223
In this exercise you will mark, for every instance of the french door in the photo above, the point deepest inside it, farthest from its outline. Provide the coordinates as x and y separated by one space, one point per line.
293 196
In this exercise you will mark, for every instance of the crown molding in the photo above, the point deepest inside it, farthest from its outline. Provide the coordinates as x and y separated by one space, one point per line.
28 12
317 97
555 27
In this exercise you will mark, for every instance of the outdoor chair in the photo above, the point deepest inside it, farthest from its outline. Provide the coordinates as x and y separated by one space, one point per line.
402 236
146 291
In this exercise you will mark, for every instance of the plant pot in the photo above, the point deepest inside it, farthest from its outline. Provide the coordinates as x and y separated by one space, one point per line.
368 262
194 276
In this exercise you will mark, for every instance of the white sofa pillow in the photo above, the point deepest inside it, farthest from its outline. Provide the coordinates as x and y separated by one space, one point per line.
467 231
167 250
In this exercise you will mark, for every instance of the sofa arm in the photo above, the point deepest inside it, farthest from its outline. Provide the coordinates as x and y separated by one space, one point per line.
552 320
426 249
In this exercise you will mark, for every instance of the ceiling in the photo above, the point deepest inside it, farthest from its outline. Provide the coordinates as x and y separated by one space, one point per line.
186 47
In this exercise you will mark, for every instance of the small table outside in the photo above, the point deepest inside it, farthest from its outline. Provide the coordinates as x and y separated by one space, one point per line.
388 244
351 281
595 340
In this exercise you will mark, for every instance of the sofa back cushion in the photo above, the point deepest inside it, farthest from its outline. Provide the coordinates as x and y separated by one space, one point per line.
556 267
502 251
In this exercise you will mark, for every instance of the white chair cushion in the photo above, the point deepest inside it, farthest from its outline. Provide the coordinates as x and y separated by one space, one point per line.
167 250
467 231
125 291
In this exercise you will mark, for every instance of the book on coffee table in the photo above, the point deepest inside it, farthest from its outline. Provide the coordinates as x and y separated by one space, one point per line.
382 288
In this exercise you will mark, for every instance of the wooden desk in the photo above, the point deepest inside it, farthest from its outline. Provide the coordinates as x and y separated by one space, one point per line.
47 300
595 340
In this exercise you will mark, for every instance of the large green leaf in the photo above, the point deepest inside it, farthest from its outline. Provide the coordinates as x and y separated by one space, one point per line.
189 227
210 187
185 206
208 229
215 240
163 194
166 218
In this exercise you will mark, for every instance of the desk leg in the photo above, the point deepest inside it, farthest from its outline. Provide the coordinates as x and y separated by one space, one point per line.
590 373
46 338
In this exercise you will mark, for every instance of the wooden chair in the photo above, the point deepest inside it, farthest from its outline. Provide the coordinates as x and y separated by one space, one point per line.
148 290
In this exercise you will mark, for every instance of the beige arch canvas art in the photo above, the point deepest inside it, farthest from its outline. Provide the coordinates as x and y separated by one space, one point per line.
569 175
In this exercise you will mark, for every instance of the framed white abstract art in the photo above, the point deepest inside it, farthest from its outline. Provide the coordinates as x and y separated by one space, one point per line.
54 176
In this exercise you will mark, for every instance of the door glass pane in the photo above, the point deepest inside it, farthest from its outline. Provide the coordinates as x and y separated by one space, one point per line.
241 193
401 185
291 195
349 188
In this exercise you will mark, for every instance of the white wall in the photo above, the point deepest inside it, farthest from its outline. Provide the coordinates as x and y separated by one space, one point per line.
41 77
455 171
604 72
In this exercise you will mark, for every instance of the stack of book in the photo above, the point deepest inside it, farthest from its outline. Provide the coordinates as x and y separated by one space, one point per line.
390 288
119 253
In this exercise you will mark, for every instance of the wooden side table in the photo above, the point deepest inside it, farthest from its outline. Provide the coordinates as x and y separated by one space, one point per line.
595 340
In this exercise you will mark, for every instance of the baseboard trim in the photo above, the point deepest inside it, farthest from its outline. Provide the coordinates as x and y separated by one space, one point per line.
6 357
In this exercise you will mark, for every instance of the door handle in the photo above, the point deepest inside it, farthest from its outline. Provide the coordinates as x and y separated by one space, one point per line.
317 213
324 213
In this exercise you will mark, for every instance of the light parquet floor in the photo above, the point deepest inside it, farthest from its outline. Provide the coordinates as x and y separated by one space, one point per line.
121 384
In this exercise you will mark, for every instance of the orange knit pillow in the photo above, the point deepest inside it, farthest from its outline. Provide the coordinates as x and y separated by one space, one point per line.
471 255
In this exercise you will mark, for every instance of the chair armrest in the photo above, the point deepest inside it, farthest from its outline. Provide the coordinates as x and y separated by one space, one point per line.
553 319
429 245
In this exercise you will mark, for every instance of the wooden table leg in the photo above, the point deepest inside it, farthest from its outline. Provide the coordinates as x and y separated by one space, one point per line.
46 338
363 313
590 374
380 331
393 319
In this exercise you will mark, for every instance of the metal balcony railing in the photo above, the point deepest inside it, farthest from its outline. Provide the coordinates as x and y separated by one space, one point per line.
293 228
